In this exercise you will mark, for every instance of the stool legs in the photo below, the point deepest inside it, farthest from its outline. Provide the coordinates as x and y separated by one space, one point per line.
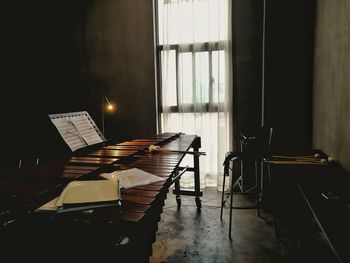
231 201
223 194
258 185
260 190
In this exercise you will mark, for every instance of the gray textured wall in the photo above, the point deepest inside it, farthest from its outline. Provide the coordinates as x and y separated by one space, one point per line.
331 129
117 43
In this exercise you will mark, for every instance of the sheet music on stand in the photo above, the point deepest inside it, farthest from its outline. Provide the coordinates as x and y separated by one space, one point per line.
77 129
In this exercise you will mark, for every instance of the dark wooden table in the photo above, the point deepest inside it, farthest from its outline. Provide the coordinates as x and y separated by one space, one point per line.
318 191
100 232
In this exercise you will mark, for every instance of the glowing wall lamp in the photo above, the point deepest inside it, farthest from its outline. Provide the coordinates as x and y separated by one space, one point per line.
107 107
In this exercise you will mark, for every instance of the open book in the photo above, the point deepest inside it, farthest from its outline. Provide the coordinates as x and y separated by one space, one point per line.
84 195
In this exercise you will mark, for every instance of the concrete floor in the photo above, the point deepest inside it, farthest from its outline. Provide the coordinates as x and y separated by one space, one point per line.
184 235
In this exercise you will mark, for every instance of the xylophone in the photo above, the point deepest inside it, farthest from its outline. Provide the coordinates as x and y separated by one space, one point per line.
125 233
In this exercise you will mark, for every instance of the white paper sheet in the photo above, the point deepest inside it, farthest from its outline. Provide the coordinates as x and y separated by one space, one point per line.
132 177
69 133
49 206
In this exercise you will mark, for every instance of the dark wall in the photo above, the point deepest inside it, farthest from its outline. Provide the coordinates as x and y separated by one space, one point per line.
40 72
289 72
289 38
247 65
61 56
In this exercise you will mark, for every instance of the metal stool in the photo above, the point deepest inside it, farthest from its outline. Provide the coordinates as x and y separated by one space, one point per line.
258 153
229 166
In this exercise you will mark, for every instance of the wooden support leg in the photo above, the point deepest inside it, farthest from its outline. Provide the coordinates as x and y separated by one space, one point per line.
177 191
197 193
197 189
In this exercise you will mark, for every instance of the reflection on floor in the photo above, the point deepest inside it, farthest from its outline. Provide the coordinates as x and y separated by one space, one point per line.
187 236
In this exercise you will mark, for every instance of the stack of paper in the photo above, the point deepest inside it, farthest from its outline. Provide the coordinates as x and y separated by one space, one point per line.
83 195
132 177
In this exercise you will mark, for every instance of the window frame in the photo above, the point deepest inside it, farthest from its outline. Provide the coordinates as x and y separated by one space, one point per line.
188 48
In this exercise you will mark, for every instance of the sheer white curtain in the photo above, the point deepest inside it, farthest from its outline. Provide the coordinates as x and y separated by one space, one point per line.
194 49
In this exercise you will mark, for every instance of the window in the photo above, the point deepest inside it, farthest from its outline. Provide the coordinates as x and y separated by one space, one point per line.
194 77
190 54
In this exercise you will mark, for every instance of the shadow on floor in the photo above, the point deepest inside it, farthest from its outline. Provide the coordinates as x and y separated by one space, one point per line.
184 235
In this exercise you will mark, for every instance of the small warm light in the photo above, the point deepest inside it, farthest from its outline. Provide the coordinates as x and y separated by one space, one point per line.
110 107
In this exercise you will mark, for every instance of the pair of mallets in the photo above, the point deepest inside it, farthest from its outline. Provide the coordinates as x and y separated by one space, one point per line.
156 148
311 159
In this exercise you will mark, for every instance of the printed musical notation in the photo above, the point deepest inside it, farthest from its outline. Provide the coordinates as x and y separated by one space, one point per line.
69 133
77 131
86 130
